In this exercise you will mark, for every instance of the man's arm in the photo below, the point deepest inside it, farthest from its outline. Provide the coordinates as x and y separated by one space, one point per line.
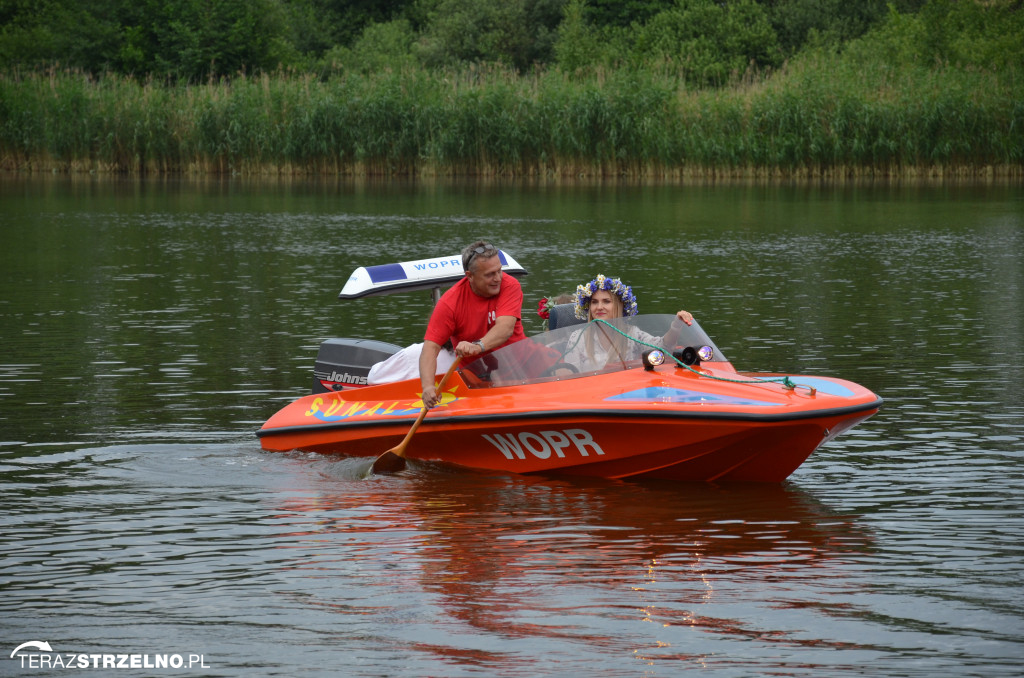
495 337
428 370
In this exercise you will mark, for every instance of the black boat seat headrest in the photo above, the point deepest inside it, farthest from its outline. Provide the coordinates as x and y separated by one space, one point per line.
562 315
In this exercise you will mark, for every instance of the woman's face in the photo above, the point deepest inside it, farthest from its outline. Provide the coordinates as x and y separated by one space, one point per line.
605 305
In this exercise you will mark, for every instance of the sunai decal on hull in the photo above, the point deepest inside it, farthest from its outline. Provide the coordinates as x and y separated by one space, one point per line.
338 409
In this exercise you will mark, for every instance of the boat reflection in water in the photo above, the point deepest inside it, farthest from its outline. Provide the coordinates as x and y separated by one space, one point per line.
518 557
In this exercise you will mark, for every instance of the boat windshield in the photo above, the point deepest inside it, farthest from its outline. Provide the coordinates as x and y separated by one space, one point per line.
585 349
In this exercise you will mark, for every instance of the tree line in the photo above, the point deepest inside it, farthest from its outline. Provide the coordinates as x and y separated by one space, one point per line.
709 42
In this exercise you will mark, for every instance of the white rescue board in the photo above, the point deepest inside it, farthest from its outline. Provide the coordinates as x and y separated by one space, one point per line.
409 276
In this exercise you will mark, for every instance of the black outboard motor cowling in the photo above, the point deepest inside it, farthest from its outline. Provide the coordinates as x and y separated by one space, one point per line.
343 363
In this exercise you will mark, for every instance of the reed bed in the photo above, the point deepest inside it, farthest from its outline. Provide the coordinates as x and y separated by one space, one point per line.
818 117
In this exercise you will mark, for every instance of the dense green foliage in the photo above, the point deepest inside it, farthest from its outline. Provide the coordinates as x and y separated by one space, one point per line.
186 38
198 39
514 87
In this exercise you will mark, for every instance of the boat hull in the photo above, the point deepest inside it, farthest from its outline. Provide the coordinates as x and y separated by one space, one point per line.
733 432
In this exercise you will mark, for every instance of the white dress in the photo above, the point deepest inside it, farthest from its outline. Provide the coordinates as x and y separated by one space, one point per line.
405 364
585 361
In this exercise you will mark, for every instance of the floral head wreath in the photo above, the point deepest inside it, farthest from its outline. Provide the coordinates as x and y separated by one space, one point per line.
584 293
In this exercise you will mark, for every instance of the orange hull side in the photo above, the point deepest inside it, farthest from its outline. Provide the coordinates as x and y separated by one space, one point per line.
583 427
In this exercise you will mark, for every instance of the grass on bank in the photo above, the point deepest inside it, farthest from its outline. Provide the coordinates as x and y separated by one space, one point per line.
818 116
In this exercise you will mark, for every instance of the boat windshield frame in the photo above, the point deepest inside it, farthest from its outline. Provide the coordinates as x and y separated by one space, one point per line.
543 357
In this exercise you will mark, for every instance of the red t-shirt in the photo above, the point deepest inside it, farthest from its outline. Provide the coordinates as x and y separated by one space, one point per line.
463 315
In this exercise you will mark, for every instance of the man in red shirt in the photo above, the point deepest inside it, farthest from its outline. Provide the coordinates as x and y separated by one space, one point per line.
479 313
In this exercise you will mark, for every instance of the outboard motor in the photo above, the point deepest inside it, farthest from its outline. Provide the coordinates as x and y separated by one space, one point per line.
345 363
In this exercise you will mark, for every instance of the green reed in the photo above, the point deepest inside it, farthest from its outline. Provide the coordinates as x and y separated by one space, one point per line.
819 116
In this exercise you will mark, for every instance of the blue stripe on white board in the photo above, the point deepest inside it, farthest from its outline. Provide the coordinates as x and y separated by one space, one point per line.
386 273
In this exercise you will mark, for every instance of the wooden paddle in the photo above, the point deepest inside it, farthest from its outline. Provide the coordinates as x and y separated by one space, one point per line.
393 460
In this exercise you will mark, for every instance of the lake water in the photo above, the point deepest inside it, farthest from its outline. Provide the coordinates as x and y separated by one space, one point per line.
149 328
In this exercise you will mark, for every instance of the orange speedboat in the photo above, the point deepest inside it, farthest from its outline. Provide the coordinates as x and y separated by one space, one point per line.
665 404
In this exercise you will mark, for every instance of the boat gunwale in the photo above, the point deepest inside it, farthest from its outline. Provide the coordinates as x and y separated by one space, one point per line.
458 418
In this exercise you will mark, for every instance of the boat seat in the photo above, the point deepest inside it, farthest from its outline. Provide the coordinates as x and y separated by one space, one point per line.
562 315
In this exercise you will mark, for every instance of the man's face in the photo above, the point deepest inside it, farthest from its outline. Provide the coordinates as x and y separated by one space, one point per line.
485 276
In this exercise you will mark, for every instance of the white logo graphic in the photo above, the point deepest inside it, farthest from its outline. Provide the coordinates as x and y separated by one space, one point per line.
41 646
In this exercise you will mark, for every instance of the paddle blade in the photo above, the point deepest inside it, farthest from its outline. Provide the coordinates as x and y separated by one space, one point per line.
389 462
393 460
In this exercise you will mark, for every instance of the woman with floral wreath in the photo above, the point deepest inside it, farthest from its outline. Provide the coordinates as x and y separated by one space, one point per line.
591 347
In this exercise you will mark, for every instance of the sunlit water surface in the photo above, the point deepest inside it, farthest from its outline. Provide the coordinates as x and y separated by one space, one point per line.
149 328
